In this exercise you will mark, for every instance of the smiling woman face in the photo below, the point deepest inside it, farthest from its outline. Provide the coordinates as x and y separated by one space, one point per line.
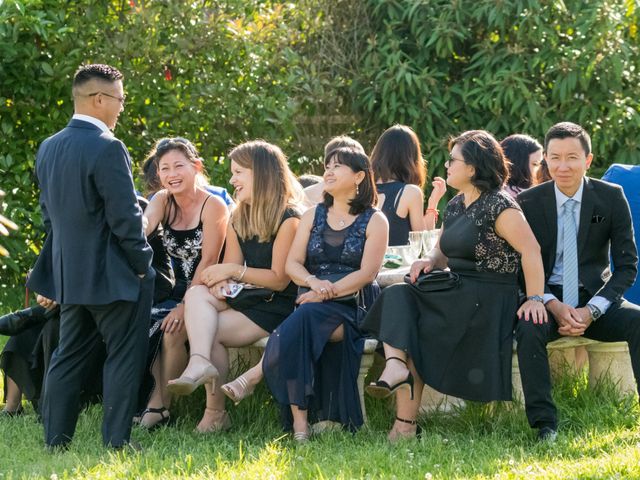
340 178
242 182
177 174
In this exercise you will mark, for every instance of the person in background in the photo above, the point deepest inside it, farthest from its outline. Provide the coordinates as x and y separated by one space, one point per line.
524 154
400 173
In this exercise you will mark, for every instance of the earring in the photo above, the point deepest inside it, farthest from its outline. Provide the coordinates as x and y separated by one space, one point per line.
357 190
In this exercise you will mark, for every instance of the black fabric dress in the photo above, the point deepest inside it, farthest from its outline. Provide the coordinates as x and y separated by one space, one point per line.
301 367
460 339
399 227
256 254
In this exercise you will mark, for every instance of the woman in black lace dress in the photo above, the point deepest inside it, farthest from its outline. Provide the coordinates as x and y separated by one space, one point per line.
312 359
258 238
459 340
194 224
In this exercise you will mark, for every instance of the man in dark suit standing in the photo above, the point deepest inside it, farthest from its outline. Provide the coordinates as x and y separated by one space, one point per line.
95 262
579 222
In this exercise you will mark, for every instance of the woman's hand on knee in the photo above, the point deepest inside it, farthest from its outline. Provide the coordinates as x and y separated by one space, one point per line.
174 321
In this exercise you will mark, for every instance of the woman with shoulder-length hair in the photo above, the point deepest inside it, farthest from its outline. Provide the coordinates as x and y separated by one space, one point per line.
259 237
400 173
458 338
312 359
525 156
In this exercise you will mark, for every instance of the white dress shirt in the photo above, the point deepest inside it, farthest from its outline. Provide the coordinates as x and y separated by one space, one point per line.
86 118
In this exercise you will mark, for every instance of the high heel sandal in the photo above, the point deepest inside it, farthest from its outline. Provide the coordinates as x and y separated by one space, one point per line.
221 425
186 385
302 437
165 418
403 435
238 390
381 389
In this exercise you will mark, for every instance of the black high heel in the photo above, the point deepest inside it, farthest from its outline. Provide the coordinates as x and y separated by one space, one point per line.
381 389
165 418
411 422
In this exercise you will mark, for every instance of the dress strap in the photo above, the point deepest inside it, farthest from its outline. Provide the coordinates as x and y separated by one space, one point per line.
396 201
203 204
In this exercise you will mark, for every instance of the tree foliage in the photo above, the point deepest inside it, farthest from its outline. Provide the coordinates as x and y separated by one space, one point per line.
446 66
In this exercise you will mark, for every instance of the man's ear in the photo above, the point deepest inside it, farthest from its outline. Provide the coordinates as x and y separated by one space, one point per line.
588 161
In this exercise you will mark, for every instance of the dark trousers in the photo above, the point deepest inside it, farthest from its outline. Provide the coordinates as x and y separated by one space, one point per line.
123 327
620 323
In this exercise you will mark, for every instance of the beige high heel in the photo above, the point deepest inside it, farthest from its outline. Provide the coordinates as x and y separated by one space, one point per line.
221 425
238 390
186 385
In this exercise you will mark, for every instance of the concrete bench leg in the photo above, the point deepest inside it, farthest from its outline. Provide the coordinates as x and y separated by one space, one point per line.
365 365
612 360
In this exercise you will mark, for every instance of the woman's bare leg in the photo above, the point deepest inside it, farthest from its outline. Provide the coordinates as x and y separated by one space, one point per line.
201 314
13 399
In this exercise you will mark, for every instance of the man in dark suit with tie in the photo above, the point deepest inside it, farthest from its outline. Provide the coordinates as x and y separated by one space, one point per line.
578 222
95 262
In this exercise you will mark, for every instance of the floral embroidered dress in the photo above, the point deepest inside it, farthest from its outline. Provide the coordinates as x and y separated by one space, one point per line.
301 366
460 339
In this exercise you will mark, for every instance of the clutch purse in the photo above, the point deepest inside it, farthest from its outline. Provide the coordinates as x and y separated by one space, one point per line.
349 299
435 281
250 297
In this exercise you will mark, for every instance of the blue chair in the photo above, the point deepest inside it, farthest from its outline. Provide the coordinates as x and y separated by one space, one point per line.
628 177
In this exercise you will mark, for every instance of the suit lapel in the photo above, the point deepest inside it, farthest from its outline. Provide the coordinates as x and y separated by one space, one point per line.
550 213
586 212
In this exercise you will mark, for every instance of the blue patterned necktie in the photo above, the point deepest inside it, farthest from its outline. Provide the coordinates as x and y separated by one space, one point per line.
570 255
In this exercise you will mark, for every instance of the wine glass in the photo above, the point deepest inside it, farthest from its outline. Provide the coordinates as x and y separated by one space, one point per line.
415 244
429 239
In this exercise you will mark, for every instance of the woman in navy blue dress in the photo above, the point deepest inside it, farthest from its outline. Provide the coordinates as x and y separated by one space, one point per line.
312 359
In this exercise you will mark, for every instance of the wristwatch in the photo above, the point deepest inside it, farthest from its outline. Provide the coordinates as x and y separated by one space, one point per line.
596 313
535 298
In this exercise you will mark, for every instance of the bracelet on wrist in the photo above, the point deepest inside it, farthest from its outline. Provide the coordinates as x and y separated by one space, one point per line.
435 211
535 298
307 278
241 276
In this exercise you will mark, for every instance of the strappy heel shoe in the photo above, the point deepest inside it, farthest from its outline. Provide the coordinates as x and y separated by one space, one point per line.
406 435
238 390
165 418
222 424
186 385
381 389
302 437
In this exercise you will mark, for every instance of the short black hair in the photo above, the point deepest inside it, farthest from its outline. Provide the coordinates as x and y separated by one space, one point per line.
309 179
568 130
98 71
517 148
483 152
357 161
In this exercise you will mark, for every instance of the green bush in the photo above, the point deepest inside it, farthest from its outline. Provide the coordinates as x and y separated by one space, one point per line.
216 73
446 66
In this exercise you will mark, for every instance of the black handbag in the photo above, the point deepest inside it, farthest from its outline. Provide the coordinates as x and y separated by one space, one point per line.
250 297
435 281
349 299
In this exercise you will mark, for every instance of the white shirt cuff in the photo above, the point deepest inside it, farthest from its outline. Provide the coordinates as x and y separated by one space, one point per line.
547 297
602 303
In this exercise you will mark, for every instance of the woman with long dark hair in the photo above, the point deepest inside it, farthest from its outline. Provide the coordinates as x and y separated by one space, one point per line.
525 156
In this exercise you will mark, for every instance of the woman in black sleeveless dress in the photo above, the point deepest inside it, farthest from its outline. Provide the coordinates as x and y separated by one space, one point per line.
400 174
459 340
312 359
258 238
194 224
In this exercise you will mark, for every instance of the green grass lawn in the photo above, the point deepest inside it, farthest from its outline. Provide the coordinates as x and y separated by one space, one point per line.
599 438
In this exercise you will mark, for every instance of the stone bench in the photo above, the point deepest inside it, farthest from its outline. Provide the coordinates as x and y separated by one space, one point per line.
605 359
252 354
